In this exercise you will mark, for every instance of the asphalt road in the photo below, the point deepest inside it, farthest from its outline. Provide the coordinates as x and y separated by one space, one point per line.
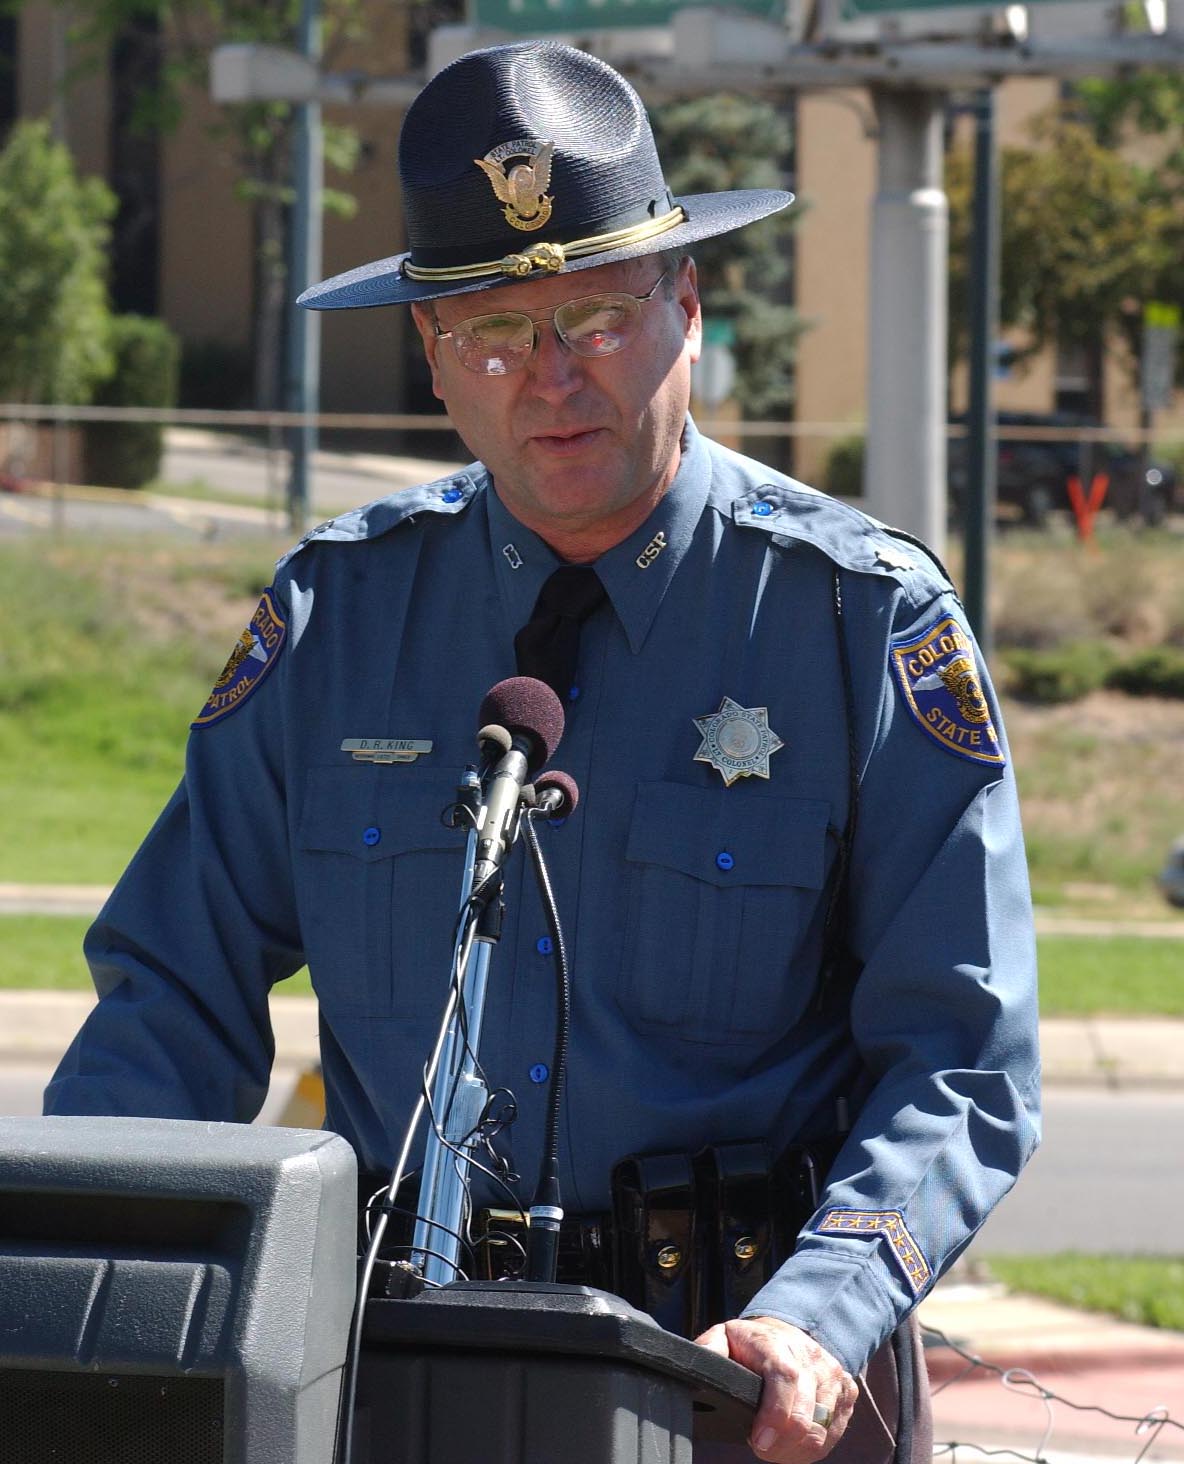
1108 1179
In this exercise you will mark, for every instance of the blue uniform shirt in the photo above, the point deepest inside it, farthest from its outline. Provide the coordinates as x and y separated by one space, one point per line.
694 907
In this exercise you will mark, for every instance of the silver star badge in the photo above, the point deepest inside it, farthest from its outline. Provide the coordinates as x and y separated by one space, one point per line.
737 741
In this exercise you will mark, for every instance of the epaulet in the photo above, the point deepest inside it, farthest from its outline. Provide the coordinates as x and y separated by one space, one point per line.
451 495
792 512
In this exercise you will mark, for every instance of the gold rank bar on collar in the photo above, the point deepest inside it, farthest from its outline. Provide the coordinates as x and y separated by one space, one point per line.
385 749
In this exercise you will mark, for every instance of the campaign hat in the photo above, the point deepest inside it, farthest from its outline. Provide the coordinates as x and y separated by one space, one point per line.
527 160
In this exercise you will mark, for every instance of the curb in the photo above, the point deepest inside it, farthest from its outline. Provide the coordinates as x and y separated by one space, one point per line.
945 1366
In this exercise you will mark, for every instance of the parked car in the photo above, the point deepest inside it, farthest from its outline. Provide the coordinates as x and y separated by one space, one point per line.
1033 476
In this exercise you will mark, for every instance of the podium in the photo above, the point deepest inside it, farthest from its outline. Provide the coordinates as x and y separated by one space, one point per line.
182 1292
530 1373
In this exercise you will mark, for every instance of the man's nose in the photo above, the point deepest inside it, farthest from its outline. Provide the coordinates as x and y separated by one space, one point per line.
554 368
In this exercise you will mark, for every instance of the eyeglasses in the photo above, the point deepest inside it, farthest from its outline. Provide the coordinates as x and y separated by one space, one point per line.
597 325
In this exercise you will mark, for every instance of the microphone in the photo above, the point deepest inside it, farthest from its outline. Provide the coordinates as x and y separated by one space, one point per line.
556 794
532 715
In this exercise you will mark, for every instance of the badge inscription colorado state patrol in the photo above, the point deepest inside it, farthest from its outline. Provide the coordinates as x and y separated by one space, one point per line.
254 654
523 189
737 741
941 686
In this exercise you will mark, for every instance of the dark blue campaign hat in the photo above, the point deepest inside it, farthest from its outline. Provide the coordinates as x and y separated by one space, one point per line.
527 160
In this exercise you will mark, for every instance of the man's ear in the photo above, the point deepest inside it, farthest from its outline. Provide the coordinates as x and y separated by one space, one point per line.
425 323
686 292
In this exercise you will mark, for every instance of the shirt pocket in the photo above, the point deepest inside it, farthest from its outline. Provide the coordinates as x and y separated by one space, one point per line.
722 893
380 888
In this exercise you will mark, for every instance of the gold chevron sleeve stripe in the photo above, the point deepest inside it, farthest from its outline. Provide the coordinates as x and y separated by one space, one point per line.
890 1224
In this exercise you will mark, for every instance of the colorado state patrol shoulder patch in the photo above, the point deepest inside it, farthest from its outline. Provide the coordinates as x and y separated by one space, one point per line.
939 680
255 653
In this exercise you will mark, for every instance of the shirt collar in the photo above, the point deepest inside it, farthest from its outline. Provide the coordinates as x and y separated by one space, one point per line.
636 573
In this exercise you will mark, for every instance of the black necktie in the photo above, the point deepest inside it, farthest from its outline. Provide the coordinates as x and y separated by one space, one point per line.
548 645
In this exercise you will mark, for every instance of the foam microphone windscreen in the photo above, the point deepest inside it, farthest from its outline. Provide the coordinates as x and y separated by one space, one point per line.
527 707
563 784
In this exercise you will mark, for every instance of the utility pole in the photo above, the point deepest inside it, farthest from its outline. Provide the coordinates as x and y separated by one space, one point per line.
980 423
303 357
906 439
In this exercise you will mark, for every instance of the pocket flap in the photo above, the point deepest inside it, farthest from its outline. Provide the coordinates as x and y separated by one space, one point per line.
376 812
723 840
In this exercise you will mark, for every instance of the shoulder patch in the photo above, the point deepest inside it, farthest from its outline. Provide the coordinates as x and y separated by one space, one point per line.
255 653
938 678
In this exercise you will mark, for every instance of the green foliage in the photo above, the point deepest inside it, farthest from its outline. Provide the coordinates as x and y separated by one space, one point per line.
44 953
53 294
1119 975
1155 671
843 473
1058 673
711 144
1148 1290
147 362
1086 237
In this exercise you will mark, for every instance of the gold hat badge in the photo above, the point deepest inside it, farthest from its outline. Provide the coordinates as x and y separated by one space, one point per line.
523 189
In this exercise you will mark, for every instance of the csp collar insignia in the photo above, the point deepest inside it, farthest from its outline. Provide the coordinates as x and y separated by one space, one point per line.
254 654
939 680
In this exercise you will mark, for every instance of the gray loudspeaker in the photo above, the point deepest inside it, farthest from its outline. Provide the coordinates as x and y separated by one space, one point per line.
172 1293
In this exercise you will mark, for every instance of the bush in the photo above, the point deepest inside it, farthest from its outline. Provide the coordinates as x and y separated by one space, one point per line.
1060 674
54 231
843 474
147 361
1157 671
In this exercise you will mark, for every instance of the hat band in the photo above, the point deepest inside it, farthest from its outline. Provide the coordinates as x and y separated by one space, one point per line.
550 257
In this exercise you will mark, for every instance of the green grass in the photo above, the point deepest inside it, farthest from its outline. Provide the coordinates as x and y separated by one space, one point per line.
1144 1289
44 953
1118 975
101 671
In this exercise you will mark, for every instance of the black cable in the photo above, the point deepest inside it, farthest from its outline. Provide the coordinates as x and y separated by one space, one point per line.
546 1212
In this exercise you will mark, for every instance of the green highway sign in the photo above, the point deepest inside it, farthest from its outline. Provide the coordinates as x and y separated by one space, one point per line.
854 9
535 17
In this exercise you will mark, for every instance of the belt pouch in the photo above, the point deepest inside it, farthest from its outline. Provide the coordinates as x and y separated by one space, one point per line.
655 1237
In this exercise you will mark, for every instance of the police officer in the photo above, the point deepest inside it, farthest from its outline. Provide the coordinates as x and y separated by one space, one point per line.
795 881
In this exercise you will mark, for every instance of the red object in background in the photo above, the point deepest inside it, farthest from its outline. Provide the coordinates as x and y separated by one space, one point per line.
1085 510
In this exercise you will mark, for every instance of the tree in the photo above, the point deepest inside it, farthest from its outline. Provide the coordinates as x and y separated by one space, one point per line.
174 38
711 144
1086 238
53 295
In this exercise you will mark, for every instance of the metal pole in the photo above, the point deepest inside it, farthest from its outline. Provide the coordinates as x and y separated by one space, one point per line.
980 425
906 443
302 392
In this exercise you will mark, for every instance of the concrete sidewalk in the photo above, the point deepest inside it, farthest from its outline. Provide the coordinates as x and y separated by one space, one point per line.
1090 1365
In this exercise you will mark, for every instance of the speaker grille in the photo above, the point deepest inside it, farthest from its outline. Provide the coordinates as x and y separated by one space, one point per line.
103 1418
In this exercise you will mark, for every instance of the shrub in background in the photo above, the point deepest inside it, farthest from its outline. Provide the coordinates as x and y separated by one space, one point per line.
1156 671
843 474
54 231
147 363
1058 674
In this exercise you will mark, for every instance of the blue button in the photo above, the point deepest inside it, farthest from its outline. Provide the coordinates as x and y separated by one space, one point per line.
724 860
540 1073
451 495
762 509
543 945
556 823
371 835
574 694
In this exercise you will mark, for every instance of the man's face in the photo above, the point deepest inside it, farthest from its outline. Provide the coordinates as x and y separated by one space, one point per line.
580 448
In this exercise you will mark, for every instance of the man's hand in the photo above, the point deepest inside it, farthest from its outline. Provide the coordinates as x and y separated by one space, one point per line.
798 1376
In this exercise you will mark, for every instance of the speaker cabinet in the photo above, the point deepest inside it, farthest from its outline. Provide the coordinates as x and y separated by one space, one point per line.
172 1292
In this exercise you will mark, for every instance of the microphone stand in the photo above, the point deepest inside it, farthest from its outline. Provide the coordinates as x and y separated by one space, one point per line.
458 1093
